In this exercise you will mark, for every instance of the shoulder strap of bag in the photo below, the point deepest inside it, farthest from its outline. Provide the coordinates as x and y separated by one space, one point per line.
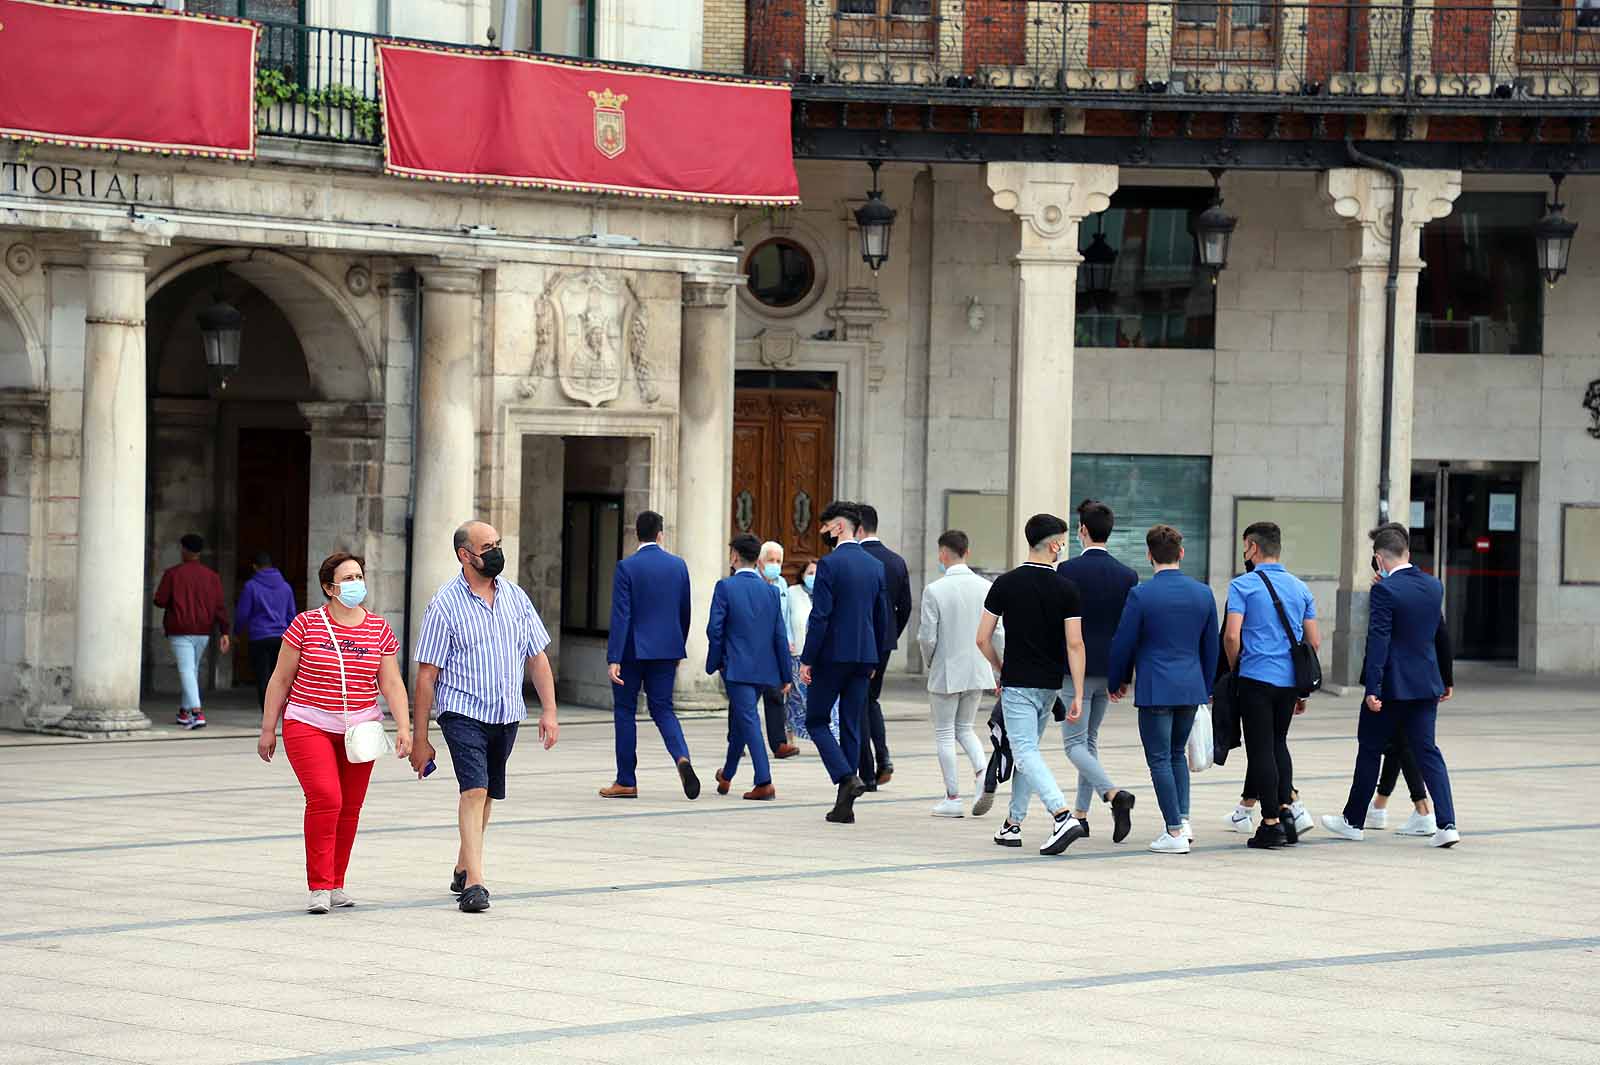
344 687
1288 630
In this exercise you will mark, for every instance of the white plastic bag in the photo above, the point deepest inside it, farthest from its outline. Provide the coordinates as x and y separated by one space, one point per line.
1199 747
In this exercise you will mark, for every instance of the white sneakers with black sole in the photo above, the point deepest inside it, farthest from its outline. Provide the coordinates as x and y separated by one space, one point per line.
1064 832
1009 835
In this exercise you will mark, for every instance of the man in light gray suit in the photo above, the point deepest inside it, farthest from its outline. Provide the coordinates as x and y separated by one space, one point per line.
958 673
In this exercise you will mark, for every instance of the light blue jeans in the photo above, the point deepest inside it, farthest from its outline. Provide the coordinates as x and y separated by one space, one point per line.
189 650
1082 740
1027 713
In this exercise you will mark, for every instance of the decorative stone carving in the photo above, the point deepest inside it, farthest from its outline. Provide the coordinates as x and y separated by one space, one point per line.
589 322
638 334
1051 202
1366 197
358 279
543 336
1591 403
778 348
19 259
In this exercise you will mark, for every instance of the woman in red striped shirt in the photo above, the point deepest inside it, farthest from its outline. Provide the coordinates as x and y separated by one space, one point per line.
319 697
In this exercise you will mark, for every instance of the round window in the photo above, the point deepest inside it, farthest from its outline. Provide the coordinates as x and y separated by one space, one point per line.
781 272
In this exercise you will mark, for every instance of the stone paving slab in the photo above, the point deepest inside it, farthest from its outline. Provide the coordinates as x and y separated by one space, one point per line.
153 895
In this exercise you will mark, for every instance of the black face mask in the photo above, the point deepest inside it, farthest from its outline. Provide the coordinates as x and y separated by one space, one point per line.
493 562
831 540
1249 566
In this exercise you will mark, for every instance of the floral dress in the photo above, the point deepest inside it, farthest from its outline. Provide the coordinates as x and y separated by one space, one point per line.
799 611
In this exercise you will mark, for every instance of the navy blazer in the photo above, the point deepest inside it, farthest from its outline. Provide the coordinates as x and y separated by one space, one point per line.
1402 657
897 580
1168 638
748 643
649 607
850 616
1103 585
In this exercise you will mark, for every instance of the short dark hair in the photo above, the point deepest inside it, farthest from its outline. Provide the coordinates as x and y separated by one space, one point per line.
264 560
869 518
1390 542
1266 536
1042 527
192 543
1097 518
1396 526
956 541
842 508
331 564
1165 544
648 526
747 546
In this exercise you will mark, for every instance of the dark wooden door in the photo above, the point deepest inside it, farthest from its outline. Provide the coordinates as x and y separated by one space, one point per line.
274 493
783 467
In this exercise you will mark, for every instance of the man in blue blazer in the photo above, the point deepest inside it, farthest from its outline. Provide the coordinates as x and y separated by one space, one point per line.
846 635
1103 584
876 765
649 628
1168 638
1403 687
749 646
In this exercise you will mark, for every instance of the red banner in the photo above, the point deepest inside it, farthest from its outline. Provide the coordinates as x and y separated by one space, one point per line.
511 119
127 80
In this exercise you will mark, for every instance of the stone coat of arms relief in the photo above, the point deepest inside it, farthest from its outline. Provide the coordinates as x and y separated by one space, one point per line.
594 327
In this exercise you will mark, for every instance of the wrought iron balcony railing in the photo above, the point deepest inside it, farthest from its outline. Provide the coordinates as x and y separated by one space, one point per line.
316 83
1441 52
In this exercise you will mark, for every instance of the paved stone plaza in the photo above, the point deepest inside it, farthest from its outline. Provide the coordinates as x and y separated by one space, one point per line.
154 891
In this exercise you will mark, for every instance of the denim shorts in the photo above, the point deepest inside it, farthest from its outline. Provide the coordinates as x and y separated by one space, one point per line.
478 751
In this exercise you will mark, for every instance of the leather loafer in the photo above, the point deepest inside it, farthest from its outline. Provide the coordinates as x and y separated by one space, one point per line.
786 750
723 783
618 791
762 791
691 783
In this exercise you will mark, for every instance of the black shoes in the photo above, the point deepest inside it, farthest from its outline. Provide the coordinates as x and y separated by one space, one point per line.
844 812
475 899
1121 816
691 783
1291 835
1267 837
458 882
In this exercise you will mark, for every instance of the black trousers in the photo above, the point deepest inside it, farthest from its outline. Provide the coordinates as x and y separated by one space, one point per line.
263 660
875 754
1265 712
1398 759
776 715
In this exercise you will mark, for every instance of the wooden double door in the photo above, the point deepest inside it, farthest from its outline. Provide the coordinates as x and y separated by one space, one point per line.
783 440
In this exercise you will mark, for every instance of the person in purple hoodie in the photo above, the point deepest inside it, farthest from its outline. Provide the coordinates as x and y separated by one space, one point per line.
266 607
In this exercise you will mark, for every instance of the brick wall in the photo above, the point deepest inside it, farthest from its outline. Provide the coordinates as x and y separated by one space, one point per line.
724 36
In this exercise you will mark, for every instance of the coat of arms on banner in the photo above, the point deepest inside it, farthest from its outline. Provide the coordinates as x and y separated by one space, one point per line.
610 127
597 327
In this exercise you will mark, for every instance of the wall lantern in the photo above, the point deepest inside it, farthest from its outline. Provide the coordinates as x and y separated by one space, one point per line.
875 219
1099 262
1552 236
1212 231
222 334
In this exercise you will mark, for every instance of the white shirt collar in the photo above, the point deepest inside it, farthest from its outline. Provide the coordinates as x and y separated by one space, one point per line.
1092 547
959 567
652 543
746 569
1401 566
848 543
869 540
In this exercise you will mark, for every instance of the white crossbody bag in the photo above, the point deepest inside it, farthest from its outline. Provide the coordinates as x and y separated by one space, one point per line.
365 741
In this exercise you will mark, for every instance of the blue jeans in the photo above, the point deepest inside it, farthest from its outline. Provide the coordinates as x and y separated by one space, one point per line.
189 650
846 683
1082 740
1164 731
1416 718
744 730
1027 712
655 676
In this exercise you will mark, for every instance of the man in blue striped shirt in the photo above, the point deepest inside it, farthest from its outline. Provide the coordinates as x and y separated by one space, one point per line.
480 636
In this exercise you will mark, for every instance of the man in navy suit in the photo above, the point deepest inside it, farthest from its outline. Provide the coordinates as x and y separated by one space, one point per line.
749 646
1168 640
1403 687
649 627
876 765
845 638
1103 584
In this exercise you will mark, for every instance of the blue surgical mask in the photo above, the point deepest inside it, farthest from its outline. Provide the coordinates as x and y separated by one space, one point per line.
809 580
772 570
353 593
943 568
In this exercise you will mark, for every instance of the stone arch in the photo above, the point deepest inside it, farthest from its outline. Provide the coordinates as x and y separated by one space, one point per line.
325 320
15 320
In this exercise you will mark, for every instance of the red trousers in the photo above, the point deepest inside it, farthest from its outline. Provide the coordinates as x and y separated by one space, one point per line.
335 788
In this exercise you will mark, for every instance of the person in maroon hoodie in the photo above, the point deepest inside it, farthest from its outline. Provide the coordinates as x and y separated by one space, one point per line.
191 595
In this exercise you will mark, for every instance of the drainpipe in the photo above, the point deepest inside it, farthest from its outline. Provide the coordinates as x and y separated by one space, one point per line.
1391 299
411 495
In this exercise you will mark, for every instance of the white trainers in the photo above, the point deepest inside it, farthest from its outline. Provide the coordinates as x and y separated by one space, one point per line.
339 899
1188 830
1302 819
1239 820
1418 825
1009 835
1377 817
1445 837
949 808
1167 843
321 902
981 800
1338 826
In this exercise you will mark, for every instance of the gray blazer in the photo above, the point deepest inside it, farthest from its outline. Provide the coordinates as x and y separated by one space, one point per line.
951 609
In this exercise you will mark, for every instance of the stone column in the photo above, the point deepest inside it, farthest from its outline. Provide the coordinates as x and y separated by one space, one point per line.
1364 200
111 504
1050 199
705 464
446 452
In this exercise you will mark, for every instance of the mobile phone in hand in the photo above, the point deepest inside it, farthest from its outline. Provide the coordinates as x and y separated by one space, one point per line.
427 770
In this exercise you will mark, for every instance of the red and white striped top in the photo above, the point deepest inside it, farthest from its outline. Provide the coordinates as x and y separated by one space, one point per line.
316 681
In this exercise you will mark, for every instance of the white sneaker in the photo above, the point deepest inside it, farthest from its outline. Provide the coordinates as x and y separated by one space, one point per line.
1302 819
949 808
1418 825
1239 820
1188 830
339 899
1336 824
1167 843
321 902
1378 817
1009 835
981 800
1445 837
